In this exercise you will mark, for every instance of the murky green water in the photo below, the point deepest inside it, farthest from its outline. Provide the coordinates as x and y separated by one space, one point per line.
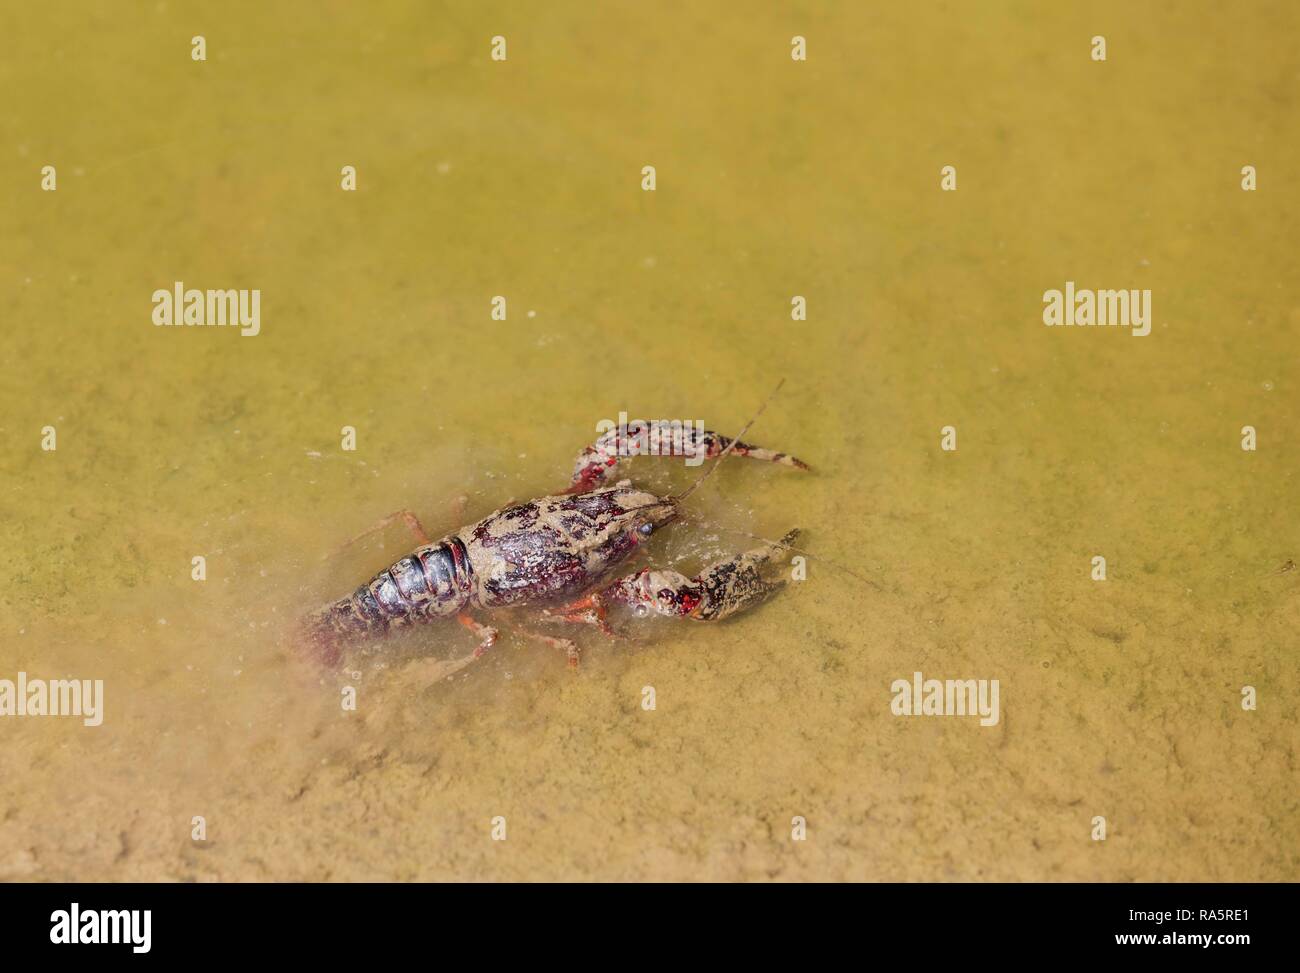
774 178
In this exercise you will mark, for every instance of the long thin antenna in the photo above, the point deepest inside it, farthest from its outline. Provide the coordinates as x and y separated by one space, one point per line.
731 445
789 547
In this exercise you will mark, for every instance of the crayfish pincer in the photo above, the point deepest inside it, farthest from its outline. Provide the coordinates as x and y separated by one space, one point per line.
559 552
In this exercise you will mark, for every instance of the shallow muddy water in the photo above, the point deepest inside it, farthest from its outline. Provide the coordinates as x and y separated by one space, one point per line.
1119 699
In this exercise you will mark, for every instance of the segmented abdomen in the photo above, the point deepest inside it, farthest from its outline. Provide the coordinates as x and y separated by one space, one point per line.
431 582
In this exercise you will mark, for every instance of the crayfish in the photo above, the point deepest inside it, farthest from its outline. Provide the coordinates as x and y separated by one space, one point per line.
557 551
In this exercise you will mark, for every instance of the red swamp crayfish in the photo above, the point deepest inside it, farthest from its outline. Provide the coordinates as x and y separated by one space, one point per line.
557 551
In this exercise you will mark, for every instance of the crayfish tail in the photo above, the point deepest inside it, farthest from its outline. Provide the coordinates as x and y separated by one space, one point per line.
322 635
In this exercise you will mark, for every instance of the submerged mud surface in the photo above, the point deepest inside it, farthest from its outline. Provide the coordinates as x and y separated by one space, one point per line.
1119 699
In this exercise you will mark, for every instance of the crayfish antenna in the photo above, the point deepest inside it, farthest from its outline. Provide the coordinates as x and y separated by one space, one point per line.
730 446
784 544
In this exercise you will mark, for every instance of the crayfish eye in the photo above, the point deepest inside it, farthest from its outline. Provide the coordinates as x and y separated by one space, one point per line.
646 529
